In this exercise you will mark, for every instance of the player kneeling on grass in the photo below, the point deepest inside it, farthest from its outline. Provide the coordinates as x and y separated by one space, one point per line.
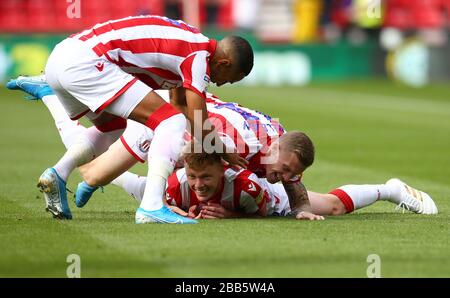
205 189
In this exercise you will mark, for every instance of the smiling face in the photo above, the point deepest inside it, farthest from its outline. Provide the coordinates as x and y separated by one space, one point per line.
285 167
289 156
205 181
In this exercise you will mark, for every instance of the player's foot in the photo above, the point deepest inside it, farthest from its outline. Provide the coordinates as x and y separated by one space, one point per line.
163 215
54 189
83 193
35 86
410 198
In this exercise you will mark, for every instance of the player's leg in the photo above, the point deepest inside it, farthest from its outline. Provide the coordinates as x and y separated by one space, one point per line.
348 198
169 126
102 170
409 198
38 89
133 146
96 140
132 184
359 196
326 204
107 130
118 93
83 144
70 130
62 72
136 140
53 180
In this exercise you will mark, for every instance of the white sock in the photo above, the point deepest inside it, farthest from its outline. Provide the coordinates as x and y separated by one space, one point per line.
101 140
163 153
79 153
91 144
69 130
133 184
56 108
361 195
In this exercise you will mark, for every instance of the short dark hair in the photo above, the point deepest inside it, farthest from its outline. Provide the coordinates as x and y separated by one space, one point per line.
242 52
299 143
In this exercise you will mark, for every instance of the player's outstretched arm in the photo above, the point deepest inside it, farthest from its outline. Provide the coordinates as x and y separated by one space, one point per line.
217 211
299 201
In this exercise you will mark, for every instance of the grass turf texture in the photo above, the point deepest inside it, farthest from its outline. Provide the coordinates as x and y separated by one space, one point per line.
364 132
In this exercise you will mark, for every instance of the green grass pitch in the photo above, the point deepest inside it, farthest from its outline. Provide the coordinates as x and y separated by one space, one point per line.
364 132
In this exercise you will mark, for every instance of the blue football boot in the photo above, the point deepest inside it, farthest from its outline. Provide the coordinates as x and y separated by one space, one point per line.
163 215
83 193
35 86
54 189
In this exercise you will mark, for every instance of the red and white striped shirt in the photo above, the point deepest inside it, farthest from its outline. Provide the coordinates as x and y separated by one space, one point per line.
161 52
239 191
251 132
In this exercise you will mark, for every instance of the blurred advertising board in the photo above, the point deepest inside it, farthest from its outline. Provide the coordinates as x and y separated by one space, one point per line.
275 64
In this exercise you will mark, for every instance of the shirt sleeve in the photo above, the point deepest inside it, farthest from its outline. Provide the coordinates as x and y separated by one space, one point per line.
173 191
252 196
195 73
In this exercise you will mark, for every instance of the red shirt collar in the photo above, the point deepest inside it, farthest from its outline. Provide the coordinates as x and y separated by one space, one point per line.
212 47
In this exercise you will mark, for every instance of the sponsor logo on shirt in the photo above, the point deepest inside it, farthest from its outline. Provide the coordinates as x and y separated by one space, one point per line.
99 66
207 81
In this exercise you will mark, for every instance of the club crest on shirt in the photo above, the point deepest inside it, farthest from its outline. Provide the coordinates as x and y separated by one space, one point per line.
143 144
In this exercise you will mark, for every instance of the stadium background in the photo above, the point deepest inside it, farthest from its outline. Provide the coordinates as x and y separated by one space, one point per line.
366 79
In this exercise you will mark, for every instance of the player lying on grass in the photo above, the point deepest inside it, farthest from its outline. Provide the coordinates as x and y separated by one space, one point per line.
109 72
249 132
205 189
134 145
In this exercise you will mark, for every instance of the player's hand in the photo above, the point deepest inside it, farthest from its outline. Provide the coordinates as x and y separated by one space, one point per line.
194 211
305 215
178 211
215 211
235 159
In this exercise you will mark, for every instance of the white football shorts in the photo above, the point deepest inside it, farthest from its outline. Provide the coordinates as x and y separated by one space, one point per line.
137 139
85 82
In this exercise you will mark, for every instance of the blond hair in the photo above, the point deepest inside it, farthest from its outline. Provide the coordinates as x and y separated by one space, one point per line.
299 143
196 158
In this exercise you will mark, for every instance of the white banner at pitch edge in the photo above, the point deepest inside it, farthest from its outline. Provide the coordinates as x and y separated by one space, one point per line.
279 68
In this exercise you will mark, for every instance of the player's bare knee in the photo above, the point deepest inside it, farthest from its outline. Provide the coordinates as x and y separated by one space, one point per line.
338 208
